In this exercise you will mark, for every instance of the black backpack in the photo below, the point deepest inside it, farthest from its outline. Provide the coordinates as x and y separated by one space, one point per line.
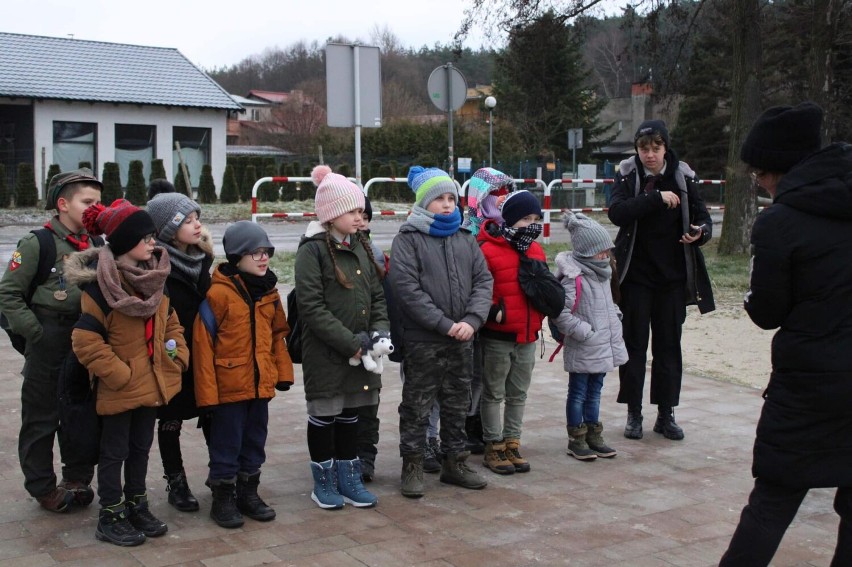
46 263
294 339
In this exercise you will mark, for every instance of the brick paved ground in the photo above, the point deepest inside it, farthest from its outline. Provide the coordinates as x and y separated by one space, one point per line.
659 503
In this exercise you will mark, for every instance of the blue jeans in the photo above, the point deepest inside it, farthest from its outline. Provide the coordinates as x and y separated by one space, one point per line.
584 398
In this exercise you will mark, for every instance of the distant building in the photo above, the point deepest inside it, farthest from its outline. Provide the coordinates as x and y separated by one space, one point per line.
64 101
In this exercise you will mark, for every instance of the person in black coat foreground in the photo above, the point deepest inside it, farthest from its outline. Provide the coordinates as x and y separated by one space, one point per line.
801 283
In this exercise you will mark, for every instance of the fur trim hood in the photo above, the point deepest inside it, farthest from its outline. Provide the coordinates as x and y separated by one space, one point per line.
81 267
566 266
628 166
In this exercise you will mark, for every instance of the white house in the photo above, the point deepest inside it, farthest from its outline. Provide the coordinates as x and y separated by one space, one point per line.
64 101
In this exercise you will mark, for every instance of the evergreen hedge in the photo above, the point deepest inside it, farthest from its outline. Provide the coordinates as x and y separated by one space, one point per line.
230 191
206 185
26 192
137 191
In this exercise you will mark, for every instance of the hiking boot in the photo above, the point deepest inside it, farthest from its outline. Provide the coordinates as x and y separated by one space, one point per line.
432 456
350 487
412 476
325 492
633 429
81 493
595 440
495 458
114 527
142 519
368 470
248 502
180 496
513 453
454 470
666 425
224 508
473 429
577 445
57 500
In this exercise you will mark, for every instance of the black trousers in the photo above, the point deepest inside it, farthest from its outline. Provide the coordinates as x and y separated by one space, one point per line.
764 520
368 432
657 313
126 441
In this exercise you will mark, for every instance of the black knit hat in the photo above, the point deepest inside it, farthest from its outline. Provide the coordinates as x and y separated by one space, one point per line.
651 127
783 136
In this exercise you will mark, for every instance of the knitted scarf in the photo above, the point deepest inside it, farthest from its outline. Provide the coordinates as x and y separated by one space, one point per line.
255 286
185 265
521 238
145 280
600 268
434 225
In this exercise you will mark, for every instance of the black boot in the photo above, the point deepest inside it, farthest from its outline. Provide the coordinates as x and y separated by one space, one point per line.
248 502
666 425
142 519
180 496
224 509
114 527
473 429
633 429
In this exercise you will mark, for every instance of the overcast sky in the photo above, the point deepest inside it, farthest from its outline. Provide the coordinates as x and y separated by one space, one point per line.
217 34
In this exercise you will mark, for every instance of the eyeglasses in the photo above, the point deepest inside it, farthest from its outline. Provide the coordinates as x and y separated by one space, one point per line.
260 253
148 238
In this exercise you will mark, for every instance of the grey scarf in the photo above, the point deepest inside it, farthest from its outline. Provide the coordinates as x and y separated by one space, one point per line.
600 268
185 265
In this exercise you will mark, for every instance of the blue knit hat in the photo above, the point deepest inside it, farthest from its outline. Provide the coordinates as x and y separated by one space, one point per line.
519 205
429 184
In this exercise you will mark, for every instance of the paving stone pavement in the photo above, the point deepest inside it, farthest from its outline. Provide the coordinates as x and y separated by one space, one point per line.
658 503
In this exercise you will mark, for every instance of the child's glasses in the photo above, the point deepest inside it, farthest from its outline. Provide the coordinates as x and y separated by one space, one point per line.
259 253
148 238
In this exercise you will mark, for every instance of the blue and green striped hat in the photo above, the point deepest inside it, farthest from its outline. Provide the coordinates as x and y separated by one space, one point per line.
430 183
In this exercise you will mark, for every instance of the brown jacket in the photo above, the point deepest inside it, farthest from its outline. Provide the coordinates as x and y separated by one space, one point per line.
127 377
248 356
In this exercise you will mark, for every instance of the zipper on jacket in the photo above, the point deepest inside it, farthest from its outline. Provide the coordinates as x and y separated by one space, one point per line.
253 320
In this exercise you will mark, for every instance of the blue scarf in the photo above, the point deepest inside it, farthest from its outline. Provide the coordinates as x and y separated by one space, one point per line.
435 225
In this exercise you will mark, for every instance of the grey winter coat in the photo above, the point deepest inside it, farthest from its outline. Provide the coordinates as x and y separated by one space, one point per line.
593 339
438 282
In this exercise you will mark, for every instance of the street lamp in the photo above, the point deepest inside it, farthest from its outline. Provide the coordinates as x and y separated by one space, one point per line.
490 103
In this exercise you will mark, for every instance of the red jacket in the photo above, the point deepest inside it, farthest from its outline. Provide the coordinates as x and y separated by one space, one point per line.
520 318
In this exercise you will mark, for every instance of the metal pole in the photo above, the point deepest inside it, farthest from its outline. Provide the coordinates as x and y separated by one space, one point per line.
491 138
449 69
357 71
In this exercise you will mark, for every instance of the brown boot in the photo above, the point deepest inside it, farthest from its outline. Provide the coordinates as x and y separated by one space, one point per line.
495 458
57 500
513 453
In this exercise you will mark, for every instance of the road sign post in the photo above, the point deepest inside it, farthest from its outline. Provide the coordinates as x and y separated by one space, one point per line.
447 90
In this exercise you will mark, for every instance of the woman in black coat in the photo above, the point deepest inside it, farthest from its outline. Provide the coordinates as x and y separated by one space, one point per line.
179 230
801 284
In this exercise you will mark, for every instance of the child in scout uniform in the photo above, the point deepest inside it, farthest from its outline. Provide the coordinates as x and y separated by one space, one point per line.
44 316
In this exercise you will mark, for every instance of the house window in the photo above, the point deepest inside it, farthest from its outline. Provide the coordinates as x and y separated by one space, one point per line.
134 142
195 149
74 142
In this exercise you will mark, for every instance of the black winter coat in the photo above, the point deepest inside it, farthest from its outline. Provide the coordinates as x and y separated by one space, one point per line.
185 298
649 232
801 281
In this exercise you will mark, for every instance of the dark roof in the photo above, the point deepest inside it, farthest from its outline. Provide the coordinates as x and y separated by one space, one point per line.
94 71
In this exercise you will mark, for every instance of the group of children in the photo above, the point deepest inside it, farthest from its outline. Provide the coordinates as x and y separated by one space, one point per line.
133 310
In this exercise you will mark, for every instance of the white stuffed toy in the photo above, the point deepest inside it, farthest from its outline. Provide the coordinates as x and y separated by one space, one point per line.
373 348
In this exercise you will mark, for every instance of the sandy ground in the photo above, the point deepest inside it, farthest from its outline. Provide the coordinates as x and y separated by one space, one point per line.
726 345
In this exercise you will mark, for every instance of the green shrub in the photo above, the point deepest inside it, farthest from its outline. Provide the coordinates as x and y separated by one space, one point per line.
230 191
4 188
268 192
249 179
158 170
206 185
180 182
86 164
136 191
26 192
111 179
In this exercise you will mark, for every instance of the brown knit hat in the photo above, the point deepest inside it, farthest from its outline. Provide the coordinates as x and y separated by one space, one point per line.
123 223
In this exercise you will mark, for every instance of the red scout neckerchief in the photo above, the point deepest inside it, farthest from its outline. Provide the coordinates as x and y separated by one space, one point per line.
80 244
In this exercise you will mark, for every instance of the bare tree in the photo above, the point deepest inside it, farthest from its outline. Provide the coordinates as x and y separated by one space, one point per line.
606 51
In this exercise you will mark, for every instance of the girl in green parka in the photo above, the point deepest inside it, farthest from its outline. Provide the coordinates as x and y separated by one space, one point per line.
340 300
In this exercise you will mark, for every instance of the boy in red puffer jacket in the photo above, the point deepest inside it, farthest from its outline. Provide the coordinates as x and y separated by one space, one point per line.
509 336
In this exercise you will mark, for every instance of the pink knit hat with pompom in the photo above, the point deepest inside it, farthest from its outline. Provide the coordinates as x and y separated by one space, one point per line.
336 195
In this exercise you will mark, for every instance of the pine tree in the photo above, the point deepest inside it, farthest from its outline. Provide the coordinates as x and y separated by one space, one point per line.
249 179
111 180
4 188
206 185
136 191
26 192
54 169
230 190
158 170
